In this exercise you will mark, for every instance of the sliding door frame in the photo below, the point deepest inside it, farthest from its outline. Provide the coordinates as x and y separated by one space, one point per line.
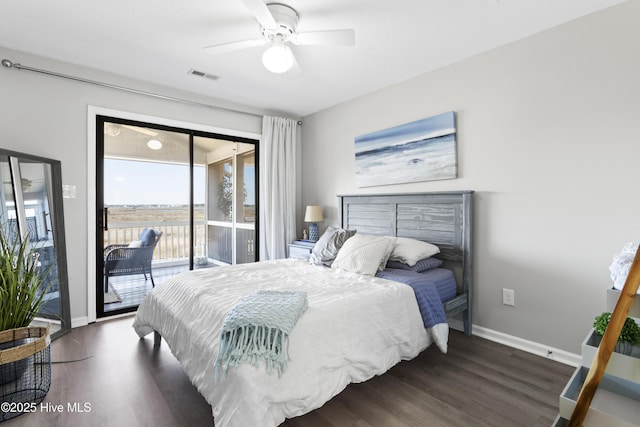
192 129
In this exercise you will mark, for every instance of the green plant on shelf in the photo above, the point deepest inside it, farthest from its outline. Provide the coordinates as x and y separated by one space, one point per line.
630 332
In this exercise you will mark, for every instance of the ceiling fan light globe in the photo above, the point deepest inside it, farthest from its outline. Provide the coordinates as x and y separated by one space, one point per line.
277 58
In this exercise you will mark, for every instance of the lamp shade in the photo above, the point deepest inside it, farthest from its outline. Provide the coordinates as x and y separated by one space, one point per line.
313 214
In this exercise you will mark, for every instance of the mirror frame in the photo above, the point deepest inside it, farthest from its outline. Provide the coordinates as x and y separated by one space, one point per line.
58 230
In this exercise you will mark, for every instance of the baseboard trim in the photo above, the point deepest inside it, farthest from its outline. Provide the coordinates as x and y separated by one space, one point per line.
84 321
538 349
76 322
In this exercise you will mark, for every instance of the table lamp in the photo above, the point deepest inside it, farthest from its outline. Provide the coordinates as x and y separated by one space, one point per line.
313 214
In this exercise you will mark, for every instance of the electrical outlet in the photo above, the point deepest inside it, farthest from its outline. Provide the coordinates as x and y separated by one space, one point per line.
508 297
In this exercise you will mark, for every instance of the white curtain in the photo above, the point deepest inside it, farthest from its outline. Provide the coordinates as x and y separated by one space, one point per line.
277 186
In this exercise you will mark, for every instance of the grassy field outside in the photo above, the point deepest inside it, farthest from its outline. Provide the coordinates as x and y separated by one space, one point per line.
126 222
153 214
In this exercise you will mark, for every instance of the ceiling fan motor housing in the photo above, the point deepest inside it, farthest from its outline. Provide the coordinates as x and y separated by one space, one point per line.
286 19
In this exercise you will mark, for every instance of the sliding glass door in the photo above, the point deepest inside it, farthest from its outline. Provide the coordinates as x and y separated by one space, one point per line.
245 208
181 184
232 205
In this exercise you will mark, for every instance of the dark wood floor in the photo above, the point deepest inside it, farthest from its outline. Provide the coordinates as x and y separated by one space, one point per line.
126 383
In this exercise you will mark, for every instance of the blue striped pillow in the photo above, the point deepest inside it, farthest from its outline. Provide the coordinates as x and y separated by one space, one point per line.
422 265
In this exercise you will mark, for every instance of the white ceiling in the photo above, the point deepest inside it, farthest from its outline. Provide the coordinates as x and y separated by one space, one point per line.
160 40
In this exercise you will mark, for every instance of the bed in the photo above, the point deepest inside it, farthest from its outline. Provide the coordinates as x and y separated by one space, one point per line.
355 326
444 219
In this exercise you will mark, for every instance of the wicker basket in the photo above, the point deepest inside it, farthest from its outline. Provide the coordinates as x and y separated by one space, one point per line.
25 369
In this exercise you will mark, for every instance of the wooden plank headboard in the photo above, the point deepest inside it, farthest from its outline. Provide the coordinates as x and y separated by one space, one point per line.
443 218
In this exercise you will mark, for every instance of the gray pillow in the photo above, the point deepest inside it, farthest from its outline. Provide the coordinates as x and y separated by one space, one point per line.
327 247
147 236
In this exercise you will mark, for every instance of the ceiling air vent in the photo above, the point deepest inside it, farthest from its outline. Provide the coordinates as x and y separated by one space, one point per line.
203 74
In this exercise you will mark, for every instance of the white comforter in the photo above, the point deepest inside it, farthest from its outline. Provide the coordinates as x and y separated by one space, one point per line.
354 328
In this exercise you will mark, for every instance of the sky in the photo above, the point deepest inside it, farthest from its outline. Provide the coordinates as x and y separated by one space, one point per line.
129 182
442 124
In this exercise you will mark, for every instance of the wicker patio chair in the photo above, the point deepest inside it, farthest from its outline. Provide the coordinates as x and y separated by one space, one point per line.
132 258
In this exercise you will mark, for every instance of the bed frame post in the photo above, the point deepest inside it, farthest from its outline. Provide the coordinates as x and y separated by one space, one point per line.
157 339
467 259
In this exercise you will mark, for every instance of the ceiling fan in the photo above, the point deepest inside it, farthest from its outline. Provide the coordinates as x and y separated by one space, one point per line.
279 28
26 183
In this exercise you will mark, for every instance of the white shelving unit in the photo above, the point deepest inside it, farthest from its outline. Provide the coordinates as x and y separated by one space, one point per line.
616 403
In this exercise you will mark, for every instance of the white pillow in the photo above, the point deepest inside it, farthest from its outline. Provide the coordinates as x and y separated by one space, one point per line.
135 244
410 251
364 254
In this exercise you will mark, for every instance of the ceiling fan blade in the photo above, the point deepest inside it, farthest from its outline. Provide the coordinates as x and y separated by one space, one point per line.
329 37
261 12
295 70
218 49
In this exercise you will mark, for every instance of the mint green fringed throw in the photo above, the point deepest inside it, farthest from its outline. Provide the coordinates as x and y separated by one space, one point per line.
258 328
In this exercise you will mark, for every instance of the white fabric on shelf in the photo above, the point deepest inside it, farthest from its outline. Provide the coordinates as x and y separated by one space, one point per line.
621 264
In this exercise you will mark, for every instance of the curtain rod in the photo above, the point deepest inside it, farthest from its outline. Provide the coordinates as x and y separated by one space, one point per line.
9 64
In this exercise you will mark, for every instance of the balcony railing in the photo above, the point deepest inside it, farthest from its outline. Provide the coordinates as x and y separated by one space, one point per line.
173 246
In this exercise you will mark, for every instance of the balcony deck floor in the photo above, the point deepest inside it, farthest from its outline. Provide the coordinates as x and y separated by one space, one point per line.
134 288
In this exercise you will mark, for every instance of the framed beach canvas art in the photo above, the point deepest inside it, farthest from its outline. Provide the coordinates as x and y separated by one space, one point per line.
424 150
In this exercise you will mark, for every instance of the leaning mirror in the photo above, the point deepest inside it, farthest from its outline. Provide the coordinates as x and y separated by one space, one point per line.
31 210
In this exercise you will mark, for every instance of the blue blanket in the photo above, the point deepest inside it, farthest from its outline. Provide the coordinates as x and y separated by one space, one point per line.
426 293
257 329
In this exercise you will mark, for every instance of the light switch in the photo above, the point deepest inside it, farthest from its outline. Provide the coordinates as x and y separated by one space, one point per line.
69 191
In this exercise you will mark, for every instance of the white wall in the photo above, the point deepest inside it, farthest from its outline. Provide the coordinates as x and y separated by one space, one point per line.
47 116
549 138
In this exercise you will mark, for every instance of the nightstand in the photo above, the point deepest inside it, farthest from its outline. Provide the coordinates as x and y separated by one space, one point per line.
301 249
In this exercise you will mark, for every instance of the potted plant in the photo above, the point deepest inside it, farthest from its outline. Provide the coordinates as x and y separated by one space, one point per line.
21 294
629 335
